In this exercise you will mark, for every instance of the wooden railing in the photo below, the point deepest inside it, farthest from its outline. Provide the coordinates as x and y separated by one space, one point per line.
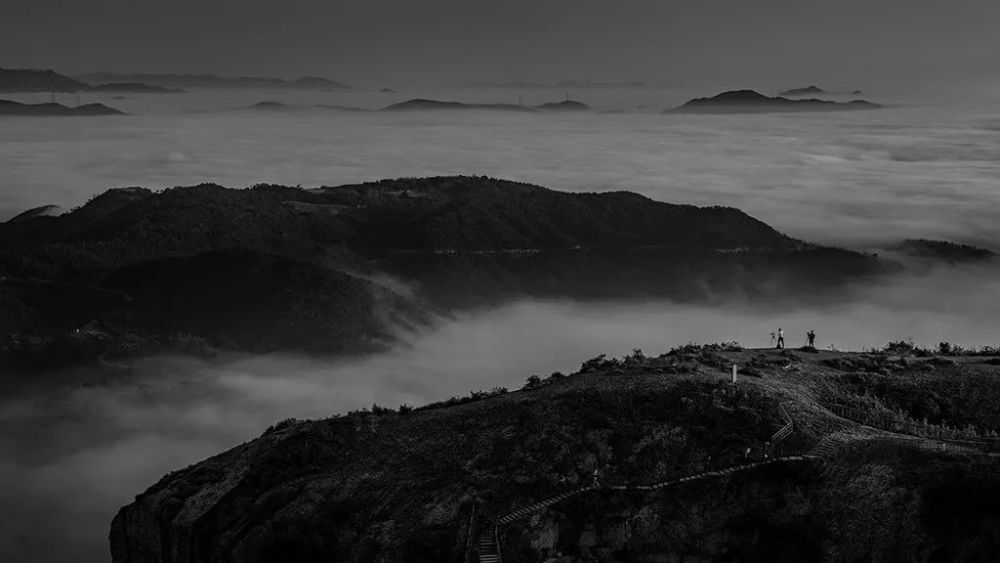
530 509
891 424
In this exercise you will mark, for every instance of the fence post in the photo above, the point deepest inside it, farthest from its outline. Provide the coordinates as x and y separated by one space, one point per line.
734 373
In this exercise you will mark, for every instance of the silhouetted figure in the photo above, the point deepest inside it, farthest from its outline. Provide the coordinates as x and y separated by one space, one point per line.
811 335
597 476
781 338
772 339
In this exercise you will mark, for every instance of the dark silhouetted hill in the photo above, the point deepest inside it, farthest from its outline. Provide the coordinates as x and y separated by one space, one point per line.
8 107
188 81
468 213
318 83
749 101
419 104
249 300
565 84
458 241
804 91
565 105
270 105
31 80
134 88
40 211
943 251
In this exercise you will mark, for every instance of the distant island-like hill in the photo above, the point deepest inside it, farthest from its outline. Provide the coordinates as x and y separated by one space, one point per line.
417 104
565 105
815 91
275 106
32 80
134 88
8 107
565 84
750 101
804 91
188 81
425 104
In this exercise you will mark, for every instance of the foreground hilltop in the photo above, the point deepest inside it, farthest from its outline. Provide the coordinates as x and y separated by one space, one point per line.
749 101
870 457
134 271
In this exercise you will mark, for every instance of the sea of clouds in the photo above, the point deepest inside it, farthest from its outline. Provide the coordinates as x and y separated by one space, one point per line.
914 169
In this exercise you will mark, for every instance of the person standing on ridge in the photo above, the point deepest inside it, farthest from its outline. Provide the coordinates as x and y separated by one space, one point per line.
781 338
811 335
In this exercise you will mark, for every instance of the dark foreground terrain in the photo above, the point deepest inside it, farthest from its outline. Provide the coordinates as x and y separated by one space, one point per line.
341 270
888 456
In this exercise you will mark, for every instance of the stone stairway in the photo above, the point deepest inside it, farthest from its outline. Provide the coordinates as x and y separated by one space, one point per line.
828 446
489 544
488 548
530 509
522 512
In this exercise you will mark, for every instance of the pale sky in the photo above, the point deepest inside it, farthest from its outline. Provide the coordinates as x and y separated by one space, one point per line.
382 42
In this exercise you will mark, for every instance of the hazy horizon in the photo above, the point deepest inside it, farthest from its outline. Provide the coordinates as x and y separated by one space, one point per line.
450 42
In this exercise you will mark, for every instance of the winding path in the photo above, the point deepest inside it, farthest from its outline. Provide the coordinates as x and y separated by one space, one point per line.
826 447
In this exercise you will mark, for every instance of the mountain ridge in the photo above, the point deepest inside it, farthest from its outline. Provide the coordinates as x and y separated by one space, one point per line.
208 80
38 80
465 242
9 107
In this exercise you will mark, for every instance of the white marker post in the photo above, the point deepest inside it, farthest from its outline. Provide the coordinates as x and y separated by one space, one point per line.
734 373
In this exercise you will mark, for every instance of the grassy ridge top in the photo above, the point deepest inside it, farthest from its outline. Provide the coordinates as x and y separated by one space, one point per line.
417 484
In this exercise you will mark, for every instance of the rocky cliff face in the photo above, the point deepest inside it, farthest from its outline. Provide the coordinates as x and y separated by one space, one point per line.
431 484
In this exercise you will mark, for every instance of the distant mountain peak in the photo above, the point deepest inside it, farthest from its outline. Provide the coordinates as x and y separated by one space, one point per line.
565 105
804 91
740 96
751 101
9 107
213 81
35 80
